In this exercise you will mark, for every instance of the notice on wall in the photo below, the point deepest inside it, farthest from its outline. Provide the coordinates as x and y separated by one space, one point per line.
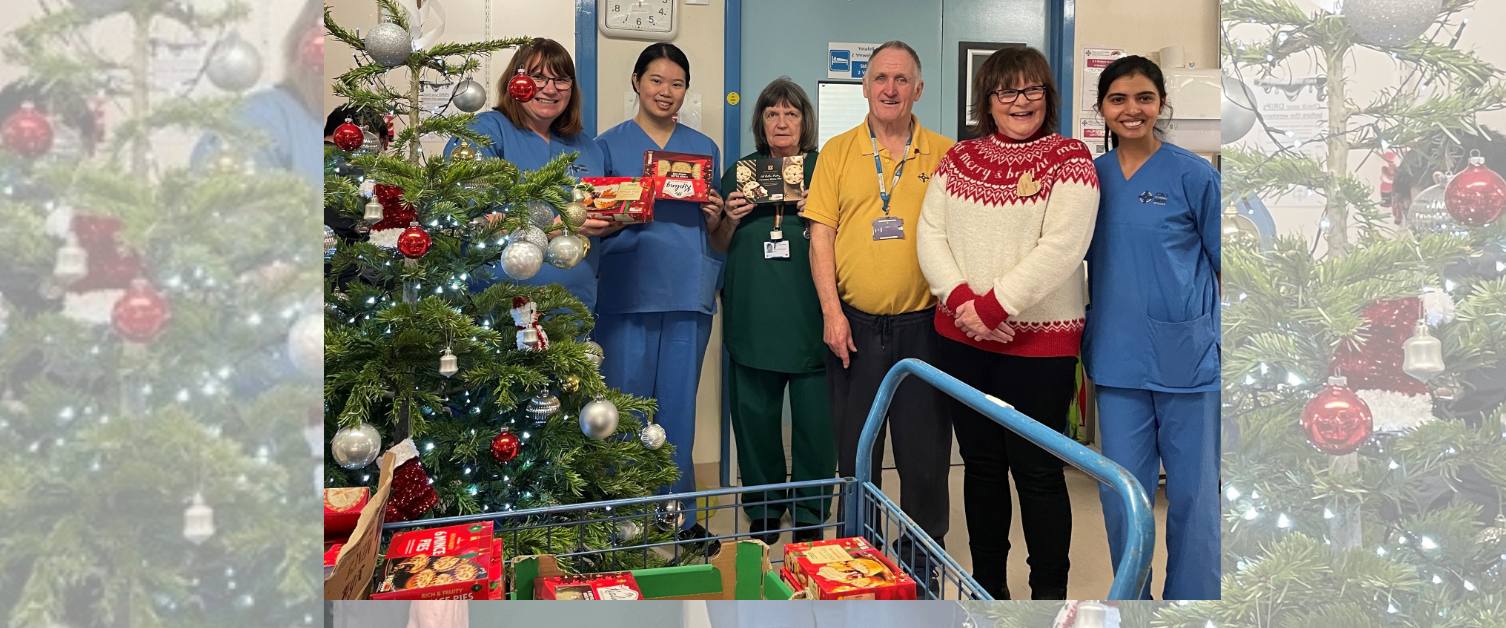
1095 59
1093 135
1296 120
848 60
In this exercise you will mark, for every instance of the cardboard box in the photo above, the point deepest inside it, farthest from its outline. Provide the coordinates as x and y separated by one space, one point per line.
679 176
449 563
331 553
621 199
342 510
736 573
774 180
780 585
846 569
602 586
356 560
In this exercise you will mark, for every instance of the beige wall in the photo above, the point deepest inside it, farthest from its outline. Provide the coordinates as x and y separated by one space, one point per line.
1144 29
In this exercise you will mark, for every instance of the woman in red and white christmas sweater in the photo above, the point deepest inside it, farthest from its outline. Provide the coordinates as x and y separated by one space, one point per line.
1001 240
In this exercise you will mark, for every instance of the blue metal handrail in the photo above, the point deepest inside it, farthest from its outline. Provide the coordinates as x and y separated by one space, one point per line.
1140 534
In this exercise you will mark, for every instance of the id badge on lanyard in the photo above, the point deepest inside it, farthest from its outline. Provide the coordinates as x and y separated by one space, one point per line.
888 227
777 247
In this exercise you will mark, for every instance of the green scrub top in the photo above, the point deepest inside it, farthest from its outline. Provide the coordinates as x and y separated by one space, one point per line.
772 314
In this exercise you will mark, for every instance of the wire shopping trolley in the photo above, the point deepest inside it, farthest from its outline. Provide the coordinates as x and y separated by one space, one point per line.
619 534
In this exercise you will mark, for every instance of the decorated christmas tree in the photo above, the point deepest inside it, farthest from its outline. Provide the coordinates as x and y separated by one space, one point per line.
499 388
1362 474
157 469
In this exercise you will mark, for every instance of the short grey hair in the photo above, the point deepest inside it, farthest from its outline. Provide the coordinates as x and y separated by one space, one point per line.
897 44
783 91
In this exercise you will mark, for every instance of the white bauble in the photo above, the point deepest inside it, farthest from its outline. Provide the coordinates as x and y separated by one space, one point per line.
234 64
598 419
565 251
355 447
1236 110
522 260
306 344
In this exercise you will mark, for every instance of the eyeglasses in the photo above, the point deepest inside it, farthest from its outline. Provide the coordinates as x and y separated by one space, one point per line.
1006 96
559 83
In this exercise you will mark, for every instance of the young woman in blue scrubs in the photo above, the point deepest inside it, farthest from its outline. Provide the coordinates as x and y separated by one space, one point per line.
1152 339
659 280
532 133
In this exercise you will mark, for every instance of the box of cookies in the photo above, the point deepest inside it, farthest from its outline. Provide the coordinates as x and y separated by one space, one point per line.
846 569
621 199
774 180
451 563
342 510
679 176
602 586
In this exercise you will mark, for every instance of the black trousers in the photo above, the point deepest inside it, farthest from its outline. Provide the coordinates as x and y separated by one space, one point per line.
917 415
1042 389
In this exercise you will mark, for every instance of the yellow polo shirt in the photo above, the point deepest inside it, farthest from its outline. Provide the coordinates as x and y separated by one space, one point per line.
875 276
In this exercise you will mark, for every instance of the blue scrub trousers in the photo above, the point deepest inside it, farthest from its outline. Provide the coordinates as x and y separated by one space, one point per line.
658 355
1143 430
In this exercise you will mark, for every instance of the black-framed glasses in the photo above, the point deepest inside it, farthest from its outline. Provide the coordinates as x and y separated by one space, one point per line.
559 83
1006 96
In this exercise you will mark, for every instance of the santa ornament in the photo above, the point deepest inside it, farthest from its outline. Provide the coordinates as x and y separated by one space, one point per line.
525 317
1375 367
1087 614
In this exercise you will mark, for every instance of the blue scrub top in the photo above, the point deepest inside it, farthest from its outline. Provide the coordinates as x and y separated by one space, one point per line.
666 265
526 150
288 126
1153 322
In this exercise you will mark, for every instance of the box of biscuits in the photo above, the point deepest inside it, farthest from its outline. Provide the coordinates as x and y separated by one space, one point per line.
602 586
342 510
846 569
679 176
627 200
451 563
773 180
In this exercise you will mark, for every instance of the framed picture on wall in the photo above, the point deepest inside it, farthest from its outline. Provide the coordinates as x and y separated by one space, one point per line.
970 57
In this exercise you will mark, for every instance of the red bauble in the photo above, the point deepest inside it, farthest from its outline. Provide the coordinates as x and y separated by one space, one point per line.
348 136
141 313
1336 420
1376 363
1476 196
411 496
27 132
414 241
521 88
505 447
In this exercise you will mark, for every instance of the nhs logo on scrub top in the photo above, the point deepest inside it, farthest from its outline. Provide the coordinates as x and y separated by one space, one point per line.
841 61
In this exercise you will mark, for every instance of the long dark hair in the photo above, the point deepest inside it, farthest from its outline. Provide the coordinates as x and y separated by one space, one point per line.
659 51
1129 66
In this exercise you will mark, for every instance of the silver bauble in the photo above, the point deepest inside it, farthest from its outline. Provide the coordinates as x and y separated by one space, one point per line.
595 353
543 406
598 419
371 144
1390 22
670 515
653 436
1428 212
355 447
306 344
532 235
388 44
329 242
470 96
234 64
522 260
565 251
541 215
574 213
628 532
1236 110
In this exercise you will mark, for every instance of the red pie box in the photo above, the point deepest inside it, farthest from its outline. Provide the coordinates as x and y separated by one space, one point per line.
602 586
342 509
451 563
679 176
621 199
846 569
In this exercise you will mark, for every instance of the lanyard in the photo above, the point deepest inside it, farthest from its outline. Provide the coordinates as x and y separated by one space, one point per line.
884 193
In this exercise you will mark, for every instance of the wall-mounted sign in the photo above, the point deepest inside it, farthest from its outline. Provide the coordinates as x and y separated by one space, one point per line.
848 60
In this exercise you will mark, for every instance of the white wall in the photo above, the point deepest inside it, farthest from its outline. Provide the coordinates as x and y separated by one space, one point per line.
1144 28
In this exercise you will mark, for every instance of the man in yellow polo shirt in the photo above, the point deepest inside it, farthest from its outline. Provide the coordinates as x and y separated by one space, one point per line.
875 301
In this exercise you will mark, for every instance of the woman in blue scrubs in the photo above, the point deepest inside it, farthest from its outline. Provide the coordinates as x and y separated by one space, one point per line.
532 133
659 280
1152 338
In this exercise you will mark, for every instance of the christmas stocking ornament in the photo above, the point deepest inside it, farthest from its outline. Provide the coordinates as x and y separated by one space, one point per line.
412 496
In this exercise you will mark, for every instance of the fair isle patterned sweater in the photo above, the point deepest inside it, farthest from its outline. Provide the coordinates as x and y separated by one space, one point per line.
1014 249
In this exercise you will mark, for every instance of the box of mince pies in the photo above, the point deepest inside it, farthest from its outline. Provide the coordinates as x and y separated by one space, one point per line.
679 176
621 199
773 180
459 562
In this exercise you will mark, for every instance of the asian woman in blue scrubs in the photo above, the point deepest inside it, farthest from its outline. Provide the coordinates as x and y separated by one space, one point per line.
1151 344
532 133
659 279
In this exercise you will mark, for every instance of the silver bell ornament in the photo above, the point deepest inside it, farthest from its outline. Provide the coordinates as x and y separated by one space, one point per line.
598 419
595 353
522 260
530 234
541 215
542 407
469 96
198 521
1390 22
448 363
388 44
669 516
565 251
373 213
1236 110
72 262
653 436
1422 354
234 64
355 447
